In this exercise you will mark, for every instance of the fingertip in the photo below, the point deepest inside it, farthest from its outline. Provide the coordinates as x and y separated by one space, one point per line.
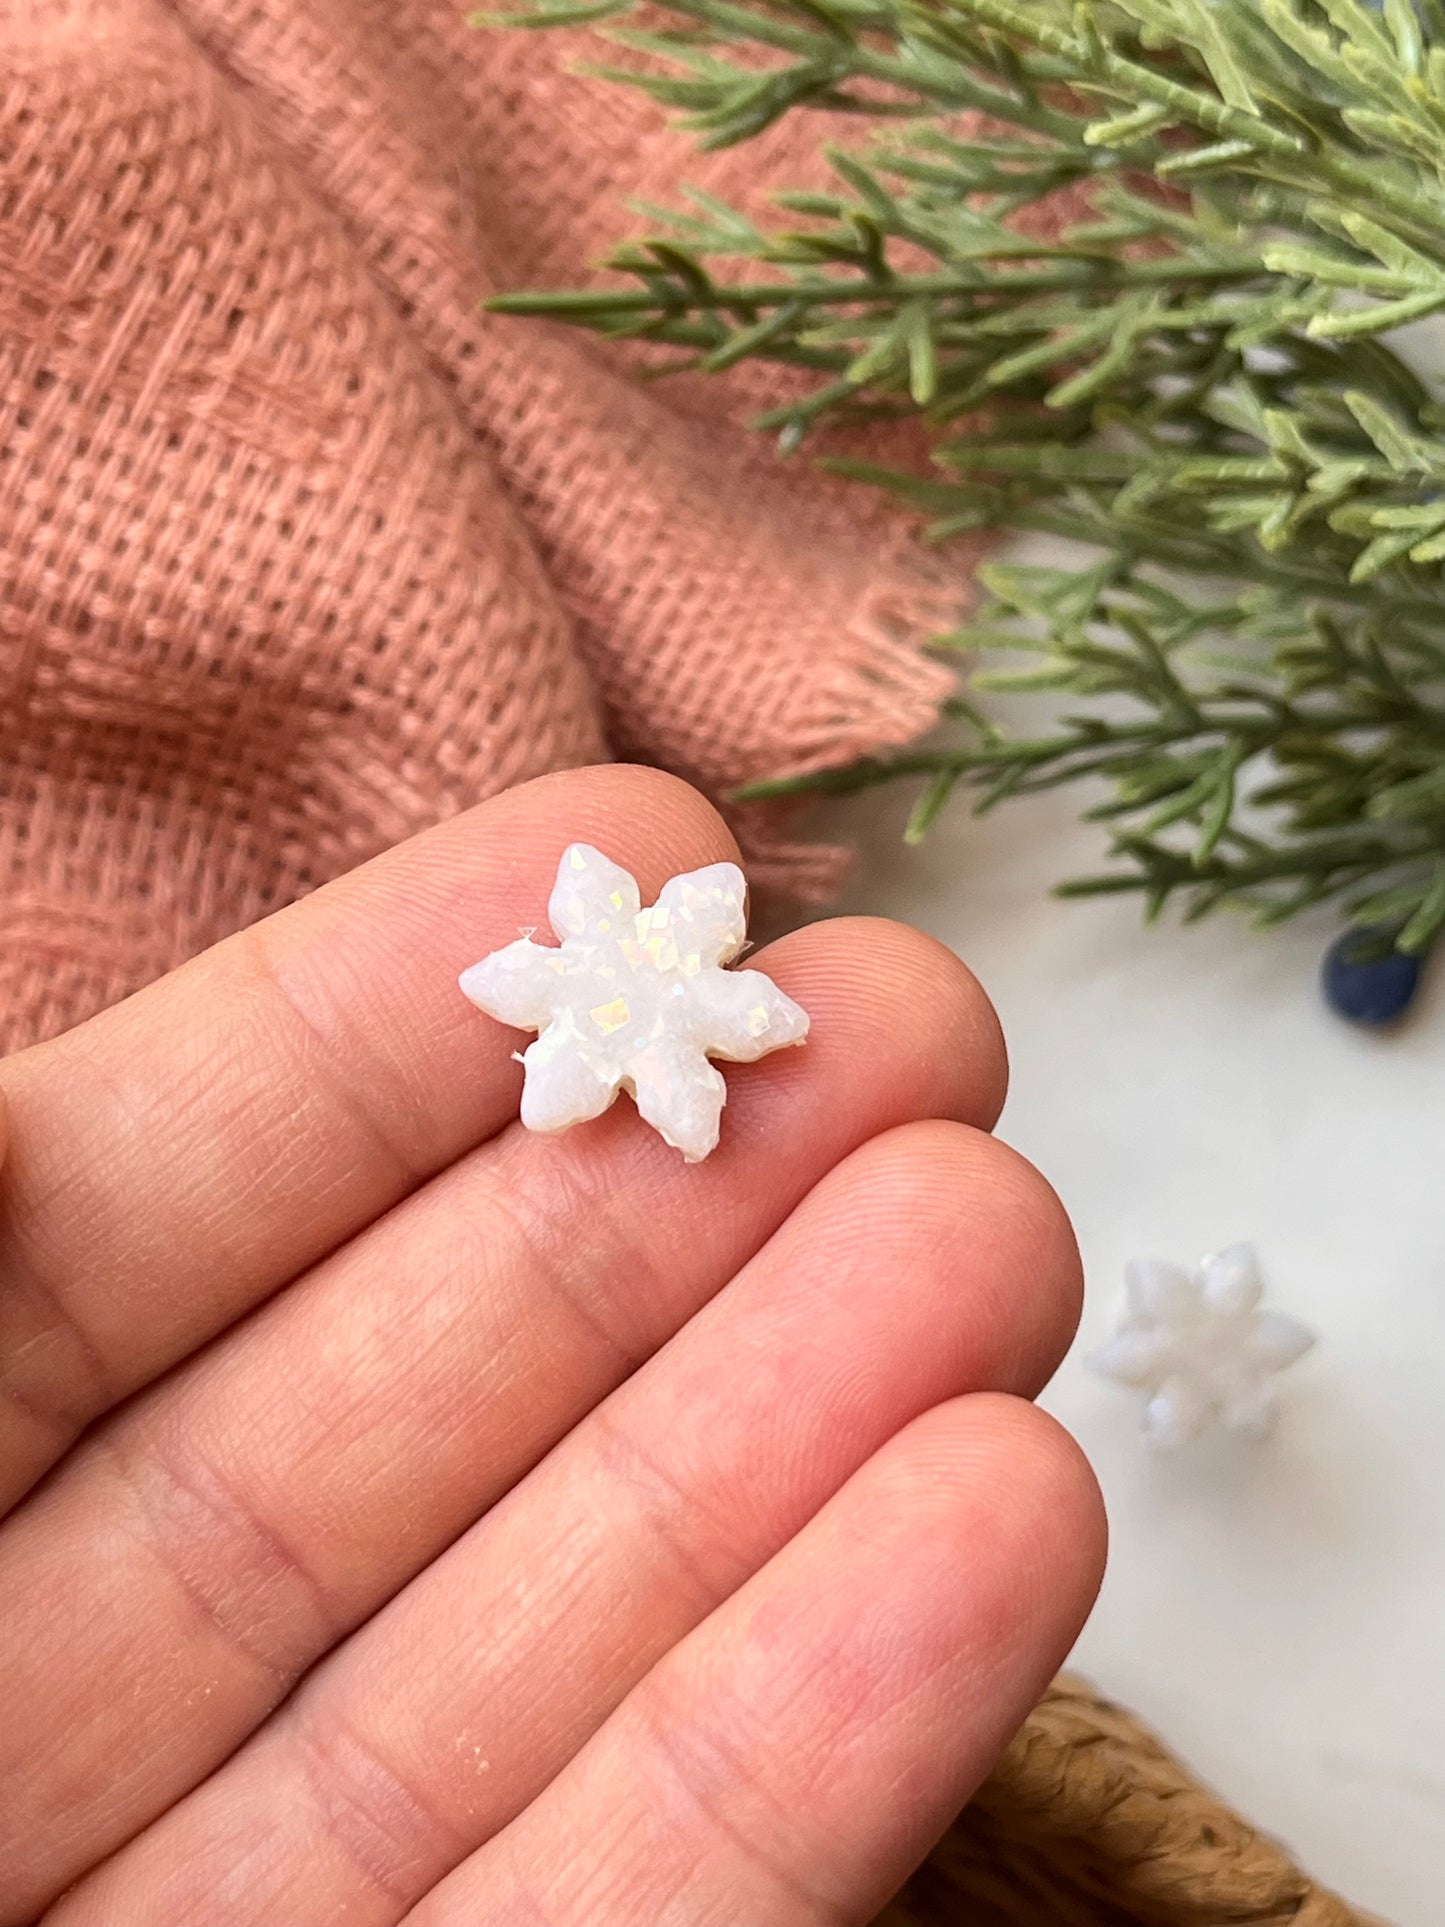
985 1239
945 1042
937 981
992 1513
993 1456
1045 1271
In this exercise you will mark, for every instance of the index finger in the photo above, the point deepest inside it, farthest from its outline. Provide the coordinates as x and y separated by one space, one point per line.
180 1157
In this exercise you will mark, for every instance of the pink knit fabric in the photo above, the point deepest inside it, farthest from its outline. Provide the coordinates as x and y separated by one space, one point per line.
303 552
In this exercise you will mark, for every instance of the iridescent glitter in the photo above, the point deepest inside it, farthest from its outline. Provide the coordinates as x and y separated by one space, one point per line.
635 1000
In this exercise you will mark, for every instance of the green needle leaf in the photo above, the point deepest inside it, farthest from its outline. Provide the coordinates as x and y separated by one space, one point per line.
1148 307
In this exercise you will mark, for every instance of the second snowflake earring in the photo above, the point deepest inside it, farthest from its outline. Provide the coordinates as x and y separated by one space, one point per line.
636 999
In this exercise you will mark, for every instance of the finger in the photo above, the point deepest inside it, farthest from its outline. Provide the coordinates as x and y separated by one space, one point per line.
932 1260
795 1756
267 1498
181 1156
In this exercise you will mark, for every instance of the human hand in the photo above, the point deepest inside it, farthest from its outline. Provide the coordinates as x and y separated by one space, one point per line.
457 1526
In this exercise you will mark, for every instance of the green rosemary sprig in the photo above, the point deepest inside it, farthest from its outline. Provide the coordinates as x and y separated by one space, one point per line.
1198 380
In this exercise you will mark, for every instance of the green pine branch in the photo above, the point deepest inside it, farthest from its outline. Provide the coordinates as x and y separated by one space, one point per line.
1199 381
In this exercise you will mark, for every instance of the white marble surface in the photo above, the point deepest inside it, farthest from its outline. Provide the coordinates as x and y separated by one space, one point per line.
1278 1610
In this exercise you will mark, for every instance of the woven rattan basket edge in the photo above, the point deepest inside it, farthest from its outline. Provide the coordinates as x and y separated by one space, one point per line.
1089 1821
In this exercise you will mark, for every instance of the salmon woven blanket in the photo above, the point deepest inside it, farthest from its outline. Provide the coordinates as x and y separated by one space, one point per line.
301 550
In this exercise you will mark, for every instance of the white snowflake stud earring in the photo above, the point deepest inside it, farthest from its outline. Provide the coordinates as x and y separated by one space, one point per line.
1201 1346
636 1000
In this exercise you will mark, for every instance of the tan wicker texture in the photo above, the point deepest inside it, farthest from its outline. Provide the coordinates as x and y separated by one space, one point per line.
1089 1822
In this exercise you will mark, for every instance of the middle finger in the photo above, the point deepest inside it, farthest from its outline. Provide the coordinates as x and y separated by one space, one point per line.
232 1525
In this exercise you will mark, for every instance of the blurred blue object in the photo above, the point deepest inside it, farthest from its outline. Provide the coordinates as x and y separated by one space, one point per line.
1366 980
